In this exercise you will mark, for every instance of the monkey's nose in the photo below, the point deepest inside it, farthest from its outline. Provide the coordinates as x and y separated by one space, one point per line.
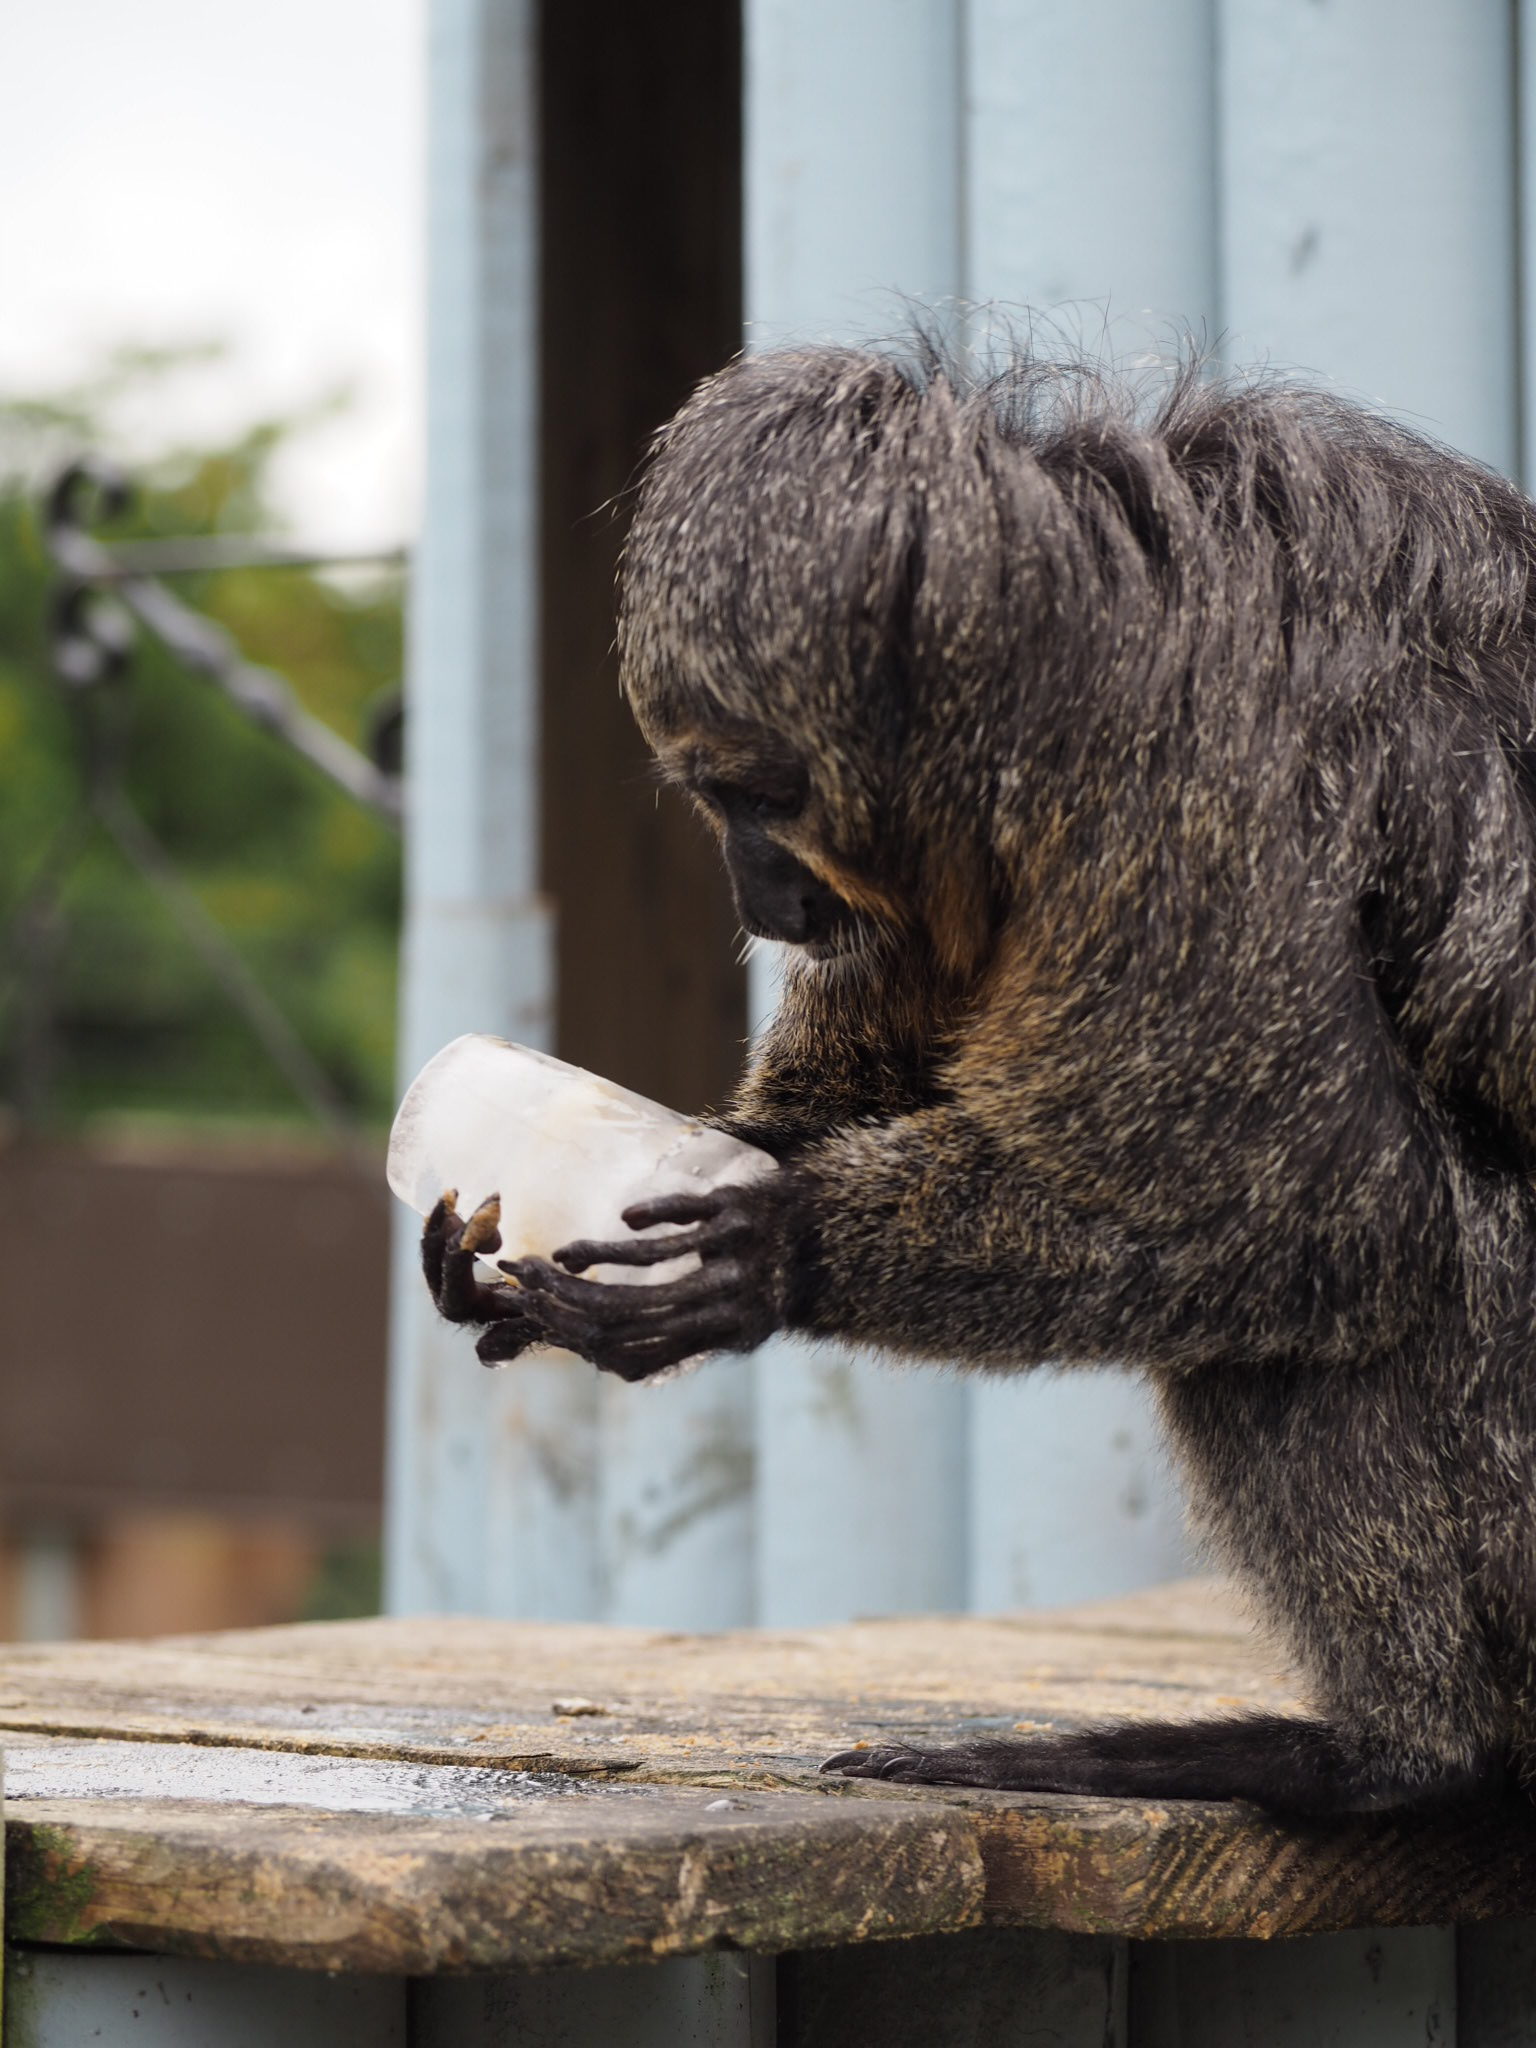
794 910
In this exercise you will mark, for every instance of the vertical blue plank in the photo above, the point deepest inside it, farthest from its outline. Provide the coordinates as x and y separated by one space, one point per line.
1091 164
1090 196
491 1501
1369 204
852 163
1523 258
1071 1494
676 1499
853 197
861 1487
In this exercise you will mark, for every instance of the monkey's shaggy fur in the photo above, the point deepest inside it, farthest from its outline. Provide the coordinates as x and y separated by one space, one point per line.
1179 762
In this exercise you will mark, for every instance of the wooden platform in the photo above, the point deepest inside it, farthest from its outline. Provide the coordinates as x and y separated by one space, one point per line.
412 1797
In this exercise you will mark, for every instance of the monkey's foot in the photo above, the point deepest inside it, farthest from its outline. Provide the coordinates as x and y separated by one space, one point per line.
735 1299
449 1247
1002 1766
1275 1760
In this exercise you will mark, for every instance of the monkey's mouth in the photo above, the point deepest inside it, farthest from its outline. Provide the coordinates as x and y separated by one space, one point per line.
855 938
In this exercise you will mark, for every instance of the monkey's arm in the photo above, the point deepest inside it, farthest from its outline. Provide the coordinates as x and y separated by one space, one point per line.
1155 1219
847 1043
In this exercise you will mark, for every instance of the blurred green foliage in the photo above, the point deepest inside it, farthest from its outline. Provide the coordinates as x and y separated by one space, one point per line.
104 1007
348 1584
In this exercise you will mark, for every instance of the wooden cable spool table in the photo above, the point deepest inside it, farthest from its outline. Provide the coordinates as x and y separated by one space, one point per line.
476 1833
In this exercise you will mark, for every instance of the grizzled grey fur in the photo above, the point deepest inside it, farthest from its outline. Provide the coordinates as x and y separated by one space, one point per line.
1172 765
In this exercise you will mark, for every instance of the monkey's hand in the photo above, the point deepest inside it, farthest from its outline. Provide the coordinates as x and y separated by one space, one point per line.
748 1242
448 1249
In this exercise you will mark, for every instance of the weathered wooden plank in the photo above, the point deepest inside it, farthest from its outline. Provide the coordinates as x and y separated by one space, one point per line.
438 1716
763 1702
424 1879
1196 1869
415 1870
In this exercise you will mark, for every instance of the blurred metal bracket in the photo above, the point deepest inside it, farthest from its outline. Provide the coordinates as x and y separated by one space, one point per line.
102 595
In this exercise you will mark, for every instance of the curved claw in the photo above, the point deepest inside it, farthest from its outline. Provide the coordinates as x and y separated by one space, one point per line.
449 1247
888 1760
480 1232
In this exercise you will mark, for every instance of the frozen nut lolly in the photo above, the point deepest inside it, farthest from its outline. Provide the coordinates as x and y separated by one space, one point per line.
566 1151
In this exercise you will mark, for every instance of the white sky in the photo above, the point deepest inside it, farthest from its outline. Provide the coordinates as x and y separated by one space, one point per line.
177 170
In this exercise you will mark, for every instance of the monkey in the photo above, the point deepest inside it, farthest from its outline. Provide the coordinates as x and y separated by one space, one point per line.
1142 787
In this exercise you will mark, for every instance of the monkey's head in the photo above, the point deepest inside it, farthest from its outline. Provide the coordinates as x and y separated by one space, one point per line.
809 603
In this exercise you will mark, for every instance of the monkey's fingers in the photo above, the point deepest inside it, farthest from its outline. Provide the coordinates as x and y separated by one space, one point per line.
634 1344
443 1223
724 1233
678 1208
607 1302
709 1327
631 1251
507 1340
448 1250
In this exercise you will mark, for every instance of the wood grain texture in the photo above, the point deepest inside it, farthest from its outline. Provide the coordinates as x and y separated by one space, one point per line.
766 1703
419 1795
559 1877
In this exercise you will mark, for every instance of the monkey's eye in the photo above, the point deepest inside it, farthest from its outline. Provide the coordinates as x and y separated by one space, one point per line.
781 798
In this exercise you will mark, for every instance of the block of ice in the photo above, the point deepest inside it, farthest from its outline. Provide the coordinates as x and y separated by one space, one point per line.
566 1151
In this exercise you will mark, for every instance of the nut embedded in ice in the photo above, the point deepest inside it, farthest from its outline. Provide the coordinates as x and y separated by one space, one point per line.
567 1151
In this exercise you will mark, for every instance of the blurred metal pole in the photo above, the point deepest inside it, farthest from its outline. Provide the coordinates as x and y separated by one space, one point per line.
958 150
1091 190
490 1493
854 181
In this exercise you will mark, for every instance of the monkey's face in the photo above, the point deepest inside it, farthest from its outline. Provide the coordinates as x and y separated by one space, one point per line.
800 637
757 795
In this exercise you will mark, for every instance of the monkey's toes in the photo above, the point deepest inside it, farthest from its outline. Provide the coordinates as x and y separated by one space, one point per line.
885 1761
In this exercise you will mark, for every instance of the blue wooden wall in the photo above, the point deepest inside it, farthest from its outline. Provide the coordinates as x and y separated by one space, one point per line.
1338 185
